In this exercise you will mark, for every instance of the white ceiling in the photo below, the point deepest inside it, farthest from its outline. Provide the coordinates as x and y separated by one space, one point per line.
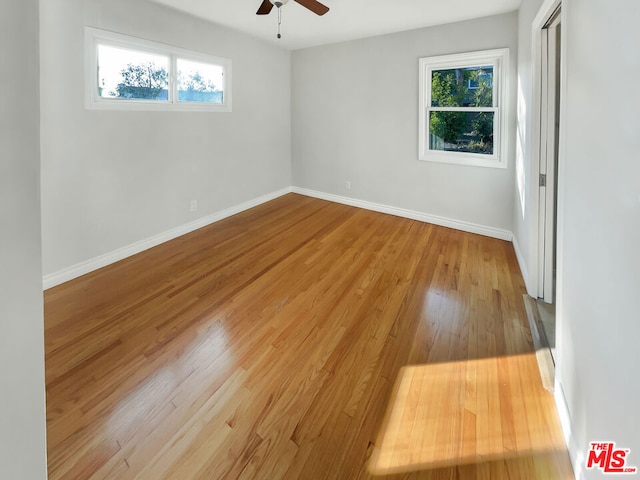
347 20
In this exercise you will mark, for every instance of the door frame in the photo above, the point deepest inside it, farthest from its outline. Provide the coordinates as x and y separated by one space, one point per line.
549 112
547 10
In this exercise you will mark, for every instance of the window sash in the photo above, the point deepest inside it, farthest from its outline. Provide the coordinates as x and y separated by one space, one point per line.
93 100
176 83
437 68
133 50
480 156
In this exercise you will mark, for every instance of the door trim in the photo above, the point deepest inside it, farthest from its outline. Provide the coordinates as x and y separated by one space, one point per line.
546 12
549 113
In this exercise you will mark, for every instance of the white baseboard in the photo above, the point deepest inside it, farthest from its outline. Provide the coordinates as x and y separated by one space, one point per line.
412 214
82 268
523 268
577 459
100 261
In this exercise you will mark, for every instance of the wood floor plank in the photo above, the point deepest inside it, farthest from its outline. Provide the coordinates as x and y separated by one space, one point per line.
300 339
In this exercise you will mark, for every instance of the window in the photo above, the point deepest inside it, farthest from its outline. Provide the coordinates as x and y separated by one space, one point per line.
129 74
463 106
125 72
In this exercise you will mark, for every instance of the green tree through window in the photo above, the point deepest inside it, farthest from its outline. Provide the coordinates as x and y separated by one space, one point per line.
146 81
150 82
462 130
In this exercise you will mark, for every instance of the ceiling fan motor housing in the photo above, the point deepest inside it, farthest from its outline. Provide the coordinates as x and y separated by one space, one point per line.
279 3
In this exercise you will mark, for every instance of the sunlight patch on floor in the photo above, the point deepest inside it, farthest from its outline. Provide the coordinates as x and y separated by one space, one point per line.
457 413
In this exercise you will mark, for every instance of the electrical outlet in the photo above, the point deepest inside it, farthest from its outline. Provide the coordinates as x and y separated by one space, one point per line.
347 184
194 205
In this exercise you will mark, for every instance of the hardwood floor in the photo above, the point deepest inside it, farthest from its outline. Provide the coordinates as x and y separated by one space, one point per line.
300 339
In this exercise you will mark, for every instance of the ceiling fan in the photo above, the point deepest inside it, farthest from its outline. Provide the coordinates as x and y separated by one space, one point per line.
313 5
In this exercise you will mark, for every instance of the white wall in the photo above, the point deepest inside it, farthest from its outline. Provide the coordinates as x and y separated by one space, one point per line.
22 397
355 117
598 276
599 267
110 179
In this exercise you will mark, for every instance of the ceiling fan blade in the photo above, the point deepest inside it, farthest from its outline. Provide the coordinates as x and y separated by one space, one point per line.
265 8
315 6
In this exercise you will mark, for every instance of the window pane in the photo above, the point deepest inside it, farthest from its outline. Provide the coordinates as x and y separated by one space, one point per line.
470 132
462 87
124 73
200 82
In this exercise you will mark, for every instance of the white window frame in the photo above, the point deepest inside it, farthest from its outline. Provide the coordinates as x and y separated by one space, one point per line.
93 101
499 59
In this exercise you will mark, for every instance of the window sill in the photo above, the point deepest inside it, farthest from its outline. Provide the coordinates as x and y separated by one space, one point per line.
141 105
462 159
